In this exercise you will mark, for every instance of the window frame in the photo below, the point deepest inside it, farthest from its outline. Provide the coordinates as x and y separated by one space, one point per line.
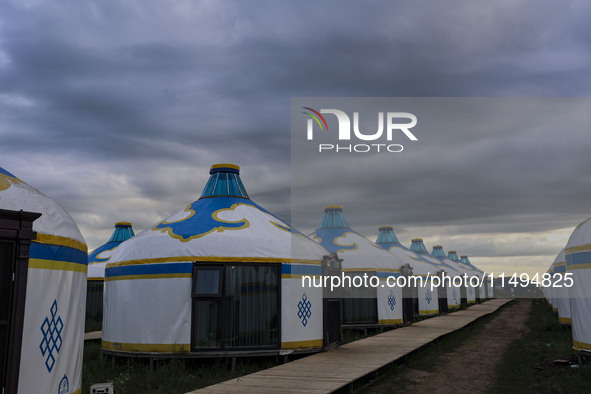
223 310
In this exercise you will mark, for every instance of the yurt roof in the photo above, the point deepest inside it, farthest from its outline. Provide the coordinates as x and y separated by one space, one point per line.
97 260
419 248
559 264
55 226
580 239
419 265
223 225
358 252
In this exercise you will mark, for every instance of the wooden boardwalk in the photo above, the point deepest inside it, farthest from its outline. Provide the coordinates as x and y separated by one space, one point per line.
329 371
89 336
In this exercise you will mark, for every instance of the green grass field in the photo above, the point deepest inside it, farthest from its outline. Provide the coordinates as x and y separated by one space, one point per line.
528 365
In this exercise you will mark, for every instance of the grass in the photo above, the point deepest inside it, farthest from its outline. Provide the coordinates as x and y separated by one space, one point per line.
133 375
428 358
91 325
528 365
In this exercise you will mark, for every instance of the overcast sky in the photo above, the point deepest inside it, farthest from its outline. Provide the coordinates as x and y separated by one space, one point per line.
116 109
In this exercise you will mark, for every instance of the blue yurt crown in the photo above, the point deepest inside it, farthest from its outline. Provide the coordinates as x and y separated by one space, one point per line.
333 217
224 181
418 246
386 235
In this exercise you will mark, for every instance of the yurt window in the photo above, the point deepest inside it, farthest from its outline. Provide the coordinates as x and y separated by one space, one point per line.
359 303
243 312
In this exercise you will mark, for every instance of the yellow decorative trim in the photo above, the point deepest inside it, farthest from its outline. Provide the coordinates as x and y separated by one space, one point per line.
334 241
6 180
123 224
95 279
57 265
389 321
564 320
578 266
580 248
214 259
149 276
214 215
471 301
372 269
79 391
577 345
302 344
453 306
61 241
225 165
333 207
299 276
429 312
147 347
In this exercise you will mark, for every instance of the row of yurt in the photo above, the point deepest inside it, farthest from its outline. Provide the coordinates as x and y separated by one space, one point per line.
417 298
221 276
363 305
97 261
42 292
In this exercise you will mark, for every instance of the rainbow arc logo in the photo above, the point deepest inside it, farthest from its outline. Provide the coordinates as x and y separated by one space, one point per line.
315 116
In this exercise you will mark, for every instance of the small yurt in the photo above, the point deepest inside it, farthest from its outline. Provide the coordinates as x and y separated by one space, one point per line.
472 291
578 265
362 306
443 291
43 283
221 276
425 303
562 302
454 290
481 290
97 261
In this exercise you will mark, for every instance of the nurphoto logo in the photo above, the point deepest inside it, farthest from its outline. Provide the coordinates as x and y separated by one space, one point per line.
393 128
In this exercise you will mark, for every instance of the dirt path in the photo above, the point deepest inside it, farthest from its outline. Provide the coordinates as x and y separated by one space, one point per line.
470 367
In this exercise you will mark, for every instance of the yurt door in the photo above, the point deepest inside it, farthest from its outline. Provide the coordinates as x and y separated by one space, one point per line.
442 295
6 270
331 265
16 233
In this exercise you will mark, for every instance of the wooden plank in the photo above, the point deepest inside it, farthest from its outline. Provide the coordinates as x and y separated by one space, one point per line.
329 371
89 336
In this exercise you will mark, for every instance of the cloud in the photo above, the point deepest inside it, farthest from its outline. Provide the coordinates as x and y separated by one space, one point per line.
117 109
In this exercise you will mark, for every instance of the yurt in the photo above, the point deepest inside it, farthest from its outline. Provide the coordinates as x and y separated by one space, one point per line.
481 290
363 306
425 303
454 290
43 283
472 291
222 276
443 291
578 265
97 261
562 302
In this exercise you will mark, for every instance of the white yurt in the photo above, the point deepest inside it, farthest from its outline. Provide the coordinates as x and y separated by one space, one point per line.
221 276
457 288
42 322
561 300
445 292
471 290
578 265
428 303
362 306
97 261
481 290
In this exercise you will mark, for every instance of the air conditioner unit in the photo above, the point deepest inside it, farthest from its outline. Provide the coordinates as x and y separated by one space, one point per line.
102 388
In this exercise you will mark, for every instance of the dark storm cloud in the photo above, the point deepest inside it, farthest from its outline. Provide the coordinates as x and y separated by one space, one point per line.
116 109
